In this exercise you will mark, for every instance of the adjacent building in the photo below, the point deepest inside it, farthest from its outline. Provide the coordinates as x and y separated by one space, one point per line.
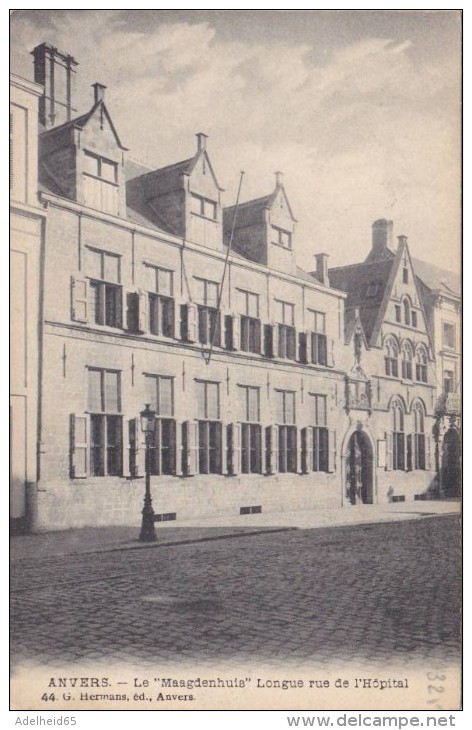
275 389
26 231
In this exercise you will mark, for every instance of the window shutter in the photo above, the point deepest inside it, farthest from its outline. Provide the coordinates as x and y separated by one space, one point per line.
409 461
268 344
235 448
192 332
133 448
236 331
274 449
427 452
79 308
169 313
120 305
309 449
78 446
330 353
300 452
332 451
275 340
142 311
304 347
389 454
190 444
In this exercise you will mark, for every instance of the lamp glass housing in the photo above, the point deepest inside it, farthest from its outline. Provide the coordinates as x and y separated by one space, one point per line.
148 419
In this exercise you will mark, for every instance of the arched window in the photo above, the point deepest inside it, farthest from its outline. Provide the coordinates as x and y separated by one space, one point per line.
421 364
419 437
398 455
407 358
391 357
406 311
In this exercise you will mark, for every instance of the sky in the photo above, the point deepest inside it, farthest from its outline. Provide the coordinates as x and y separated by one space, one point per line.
361 110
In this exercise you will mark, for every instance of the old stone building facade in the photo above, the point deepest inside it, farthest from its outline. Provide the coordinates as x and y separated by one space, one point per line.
275 389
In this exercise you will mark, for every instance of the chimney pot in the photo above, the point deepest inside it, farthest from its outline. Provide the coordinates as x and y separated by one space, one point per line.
201 138
98 92
322 268
382 236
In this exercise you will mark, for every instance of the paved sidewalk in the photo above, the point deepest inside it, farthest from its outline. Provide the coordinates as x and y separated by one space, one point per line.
105 539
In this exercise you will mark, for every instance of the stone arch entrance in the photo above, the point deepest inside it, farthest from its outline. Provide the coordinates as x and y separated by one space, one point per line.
359 469
451 463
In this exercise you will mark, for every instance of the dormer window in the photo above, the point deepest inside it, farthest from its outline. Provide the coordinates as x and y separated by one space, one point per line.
203 206
100 183
100 167
280 237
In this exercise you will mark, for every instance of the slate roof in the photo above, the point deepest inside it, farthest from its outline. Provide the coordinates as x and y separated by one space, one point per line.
437 278
81 122
355 280
249 213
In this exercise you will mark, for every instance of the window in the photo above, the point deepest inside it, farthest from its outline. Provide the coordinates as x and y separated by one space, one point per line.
161 302
280 237
285 409
407 357
101 183
203 206
406 311
104 401
250 322
449 335
320 432
391 357
421 365
448 381
414 319
285 316
105 289
251 432
372 290
398 456
209 428
405 275
319 345
209 329
100 167
398 313
160 394
419 437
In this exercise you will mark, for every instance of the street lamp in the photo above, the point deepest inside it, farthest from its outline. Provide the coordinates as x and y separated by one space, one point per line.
148 425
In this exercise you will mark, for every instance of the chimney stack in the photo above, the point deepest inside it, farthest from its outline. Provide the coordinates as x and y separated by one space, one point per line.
382 237
201 138
98 92
402 240
278 178
322 268
56 72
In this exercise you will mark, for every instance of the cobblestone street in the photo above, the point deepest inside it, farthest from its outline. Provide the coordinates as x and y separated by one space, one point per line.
363 594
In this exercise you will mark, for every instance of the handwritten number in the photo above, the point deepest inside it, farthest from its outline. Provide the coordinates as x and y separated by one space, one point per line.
433 688
436 677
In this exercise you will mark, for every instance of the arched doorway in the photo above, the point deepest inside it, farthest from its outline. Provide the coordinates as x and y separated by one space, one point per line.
359 469
451 463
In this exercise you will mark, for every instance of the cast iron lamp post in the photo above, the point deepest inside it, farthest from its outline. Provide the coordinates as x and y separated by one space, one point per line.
148 424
